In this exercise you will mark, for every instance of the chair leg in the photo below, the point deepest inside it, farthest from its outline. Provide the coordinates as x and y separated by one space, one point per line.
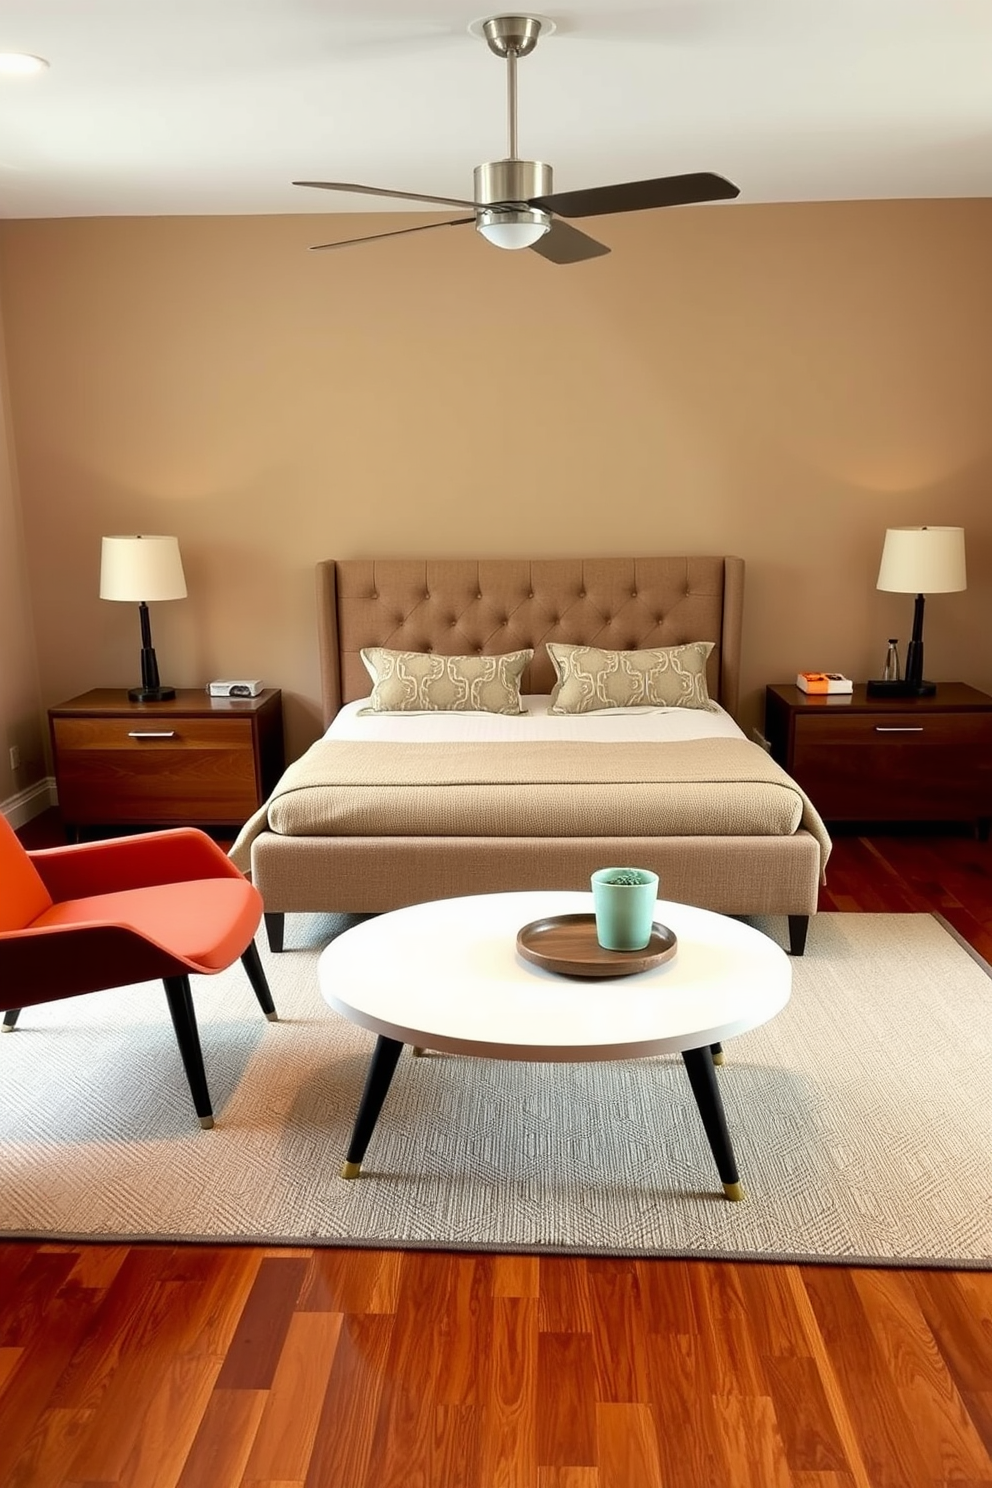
180 1001
275 929
9 1019
252 963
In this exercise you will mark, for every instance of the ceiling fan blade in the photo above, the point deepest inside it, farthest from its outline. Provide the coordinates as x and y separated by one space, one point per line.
399 233
564 245
637 196
444 201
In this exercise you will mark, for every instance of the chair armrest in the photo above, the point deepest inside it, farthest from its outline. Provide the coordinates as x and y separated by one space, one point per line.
59 961
140 862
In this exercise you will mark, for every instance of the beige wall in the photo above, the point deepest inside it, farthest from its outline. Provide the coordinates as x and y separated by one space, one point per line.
20 697
781 382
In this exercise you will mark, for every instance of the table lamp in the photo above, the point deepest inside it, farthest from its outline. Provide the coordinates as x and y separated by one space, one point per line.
919 560
140 569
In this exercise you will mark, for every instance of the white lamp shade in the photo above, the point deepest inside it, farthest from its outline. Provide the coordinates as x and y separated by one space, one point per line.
923 560
141 568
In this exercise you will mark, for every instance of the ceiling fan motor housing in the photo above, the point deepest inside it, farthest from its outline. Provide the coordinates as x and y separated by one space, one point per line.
511 182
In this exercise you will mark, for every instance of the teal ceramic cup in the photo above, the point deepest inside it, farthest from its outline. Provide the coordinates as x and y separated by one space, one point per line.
624 902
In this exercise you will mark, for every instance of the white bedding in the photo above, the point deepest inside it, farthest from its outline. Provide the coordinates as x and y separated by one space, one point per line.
646 725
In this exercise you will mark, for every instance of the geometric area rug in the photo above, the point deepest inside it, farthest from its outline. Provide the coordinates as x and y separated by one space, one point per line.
861 1118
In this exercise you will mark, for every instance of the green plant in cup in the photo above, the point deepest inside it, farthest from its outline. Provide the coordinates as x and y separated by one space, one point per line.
624 901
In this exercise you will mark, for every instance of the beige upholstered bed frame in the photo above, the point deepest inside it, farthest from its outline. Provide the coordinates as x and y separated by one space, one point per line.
460 607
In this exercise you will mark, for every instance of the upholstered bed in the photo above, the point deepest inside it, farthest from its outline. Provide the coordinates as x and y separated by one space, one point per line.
367 827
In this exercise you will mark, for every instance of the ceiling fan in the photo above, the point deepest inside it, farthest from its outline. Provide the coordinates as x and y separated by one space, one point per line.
514 205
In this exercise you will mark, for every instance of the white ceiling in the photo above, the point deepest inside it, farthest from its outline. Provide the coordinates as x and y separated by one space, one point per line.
215 106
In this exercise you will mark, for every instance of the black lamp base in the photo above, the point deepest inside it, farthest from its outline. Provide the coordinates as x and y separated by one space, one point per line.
150 694
151 690
901 689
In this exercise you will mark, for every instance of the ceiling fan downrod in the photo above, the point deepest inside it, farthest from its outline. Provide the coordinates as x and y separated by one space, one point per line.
511 37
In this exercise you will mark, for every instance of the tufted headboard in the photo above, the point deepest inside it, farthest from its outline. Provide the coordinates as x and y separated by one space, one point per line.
462 606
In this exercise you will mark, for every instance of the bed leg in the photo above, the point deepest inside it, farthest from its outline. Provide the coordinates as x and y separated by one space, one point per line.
275 926
798 926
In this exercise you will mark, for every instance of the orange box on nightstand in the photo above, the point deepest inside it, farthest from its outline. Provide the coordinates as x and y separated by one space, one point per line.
824 682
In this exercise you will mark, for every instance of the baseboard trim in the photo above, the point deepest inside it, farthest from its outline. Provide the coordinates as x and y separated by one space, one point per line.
31 802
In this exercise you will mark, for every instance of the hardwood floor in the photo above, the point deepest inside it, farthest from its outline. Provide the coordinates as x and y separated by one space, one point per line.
239 1367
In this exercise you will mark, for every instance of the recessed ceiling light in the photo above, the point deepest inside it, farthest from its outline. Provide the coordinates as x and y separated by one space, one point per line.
21 63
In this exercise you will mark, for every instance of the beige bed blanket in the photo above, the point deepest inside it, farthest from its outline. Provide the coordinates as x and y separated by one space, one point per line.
697 788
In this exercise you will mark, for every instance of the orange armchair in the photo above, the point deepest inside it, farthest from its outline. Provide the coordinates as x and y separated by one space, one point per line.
131 909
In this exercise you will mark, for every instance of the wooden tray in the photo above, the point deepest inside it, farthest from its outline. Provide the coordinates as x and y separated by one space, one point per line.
567 944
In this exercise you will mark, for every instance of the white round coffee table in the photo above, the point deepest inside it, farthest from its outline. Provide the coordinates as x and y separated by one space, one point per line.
447 975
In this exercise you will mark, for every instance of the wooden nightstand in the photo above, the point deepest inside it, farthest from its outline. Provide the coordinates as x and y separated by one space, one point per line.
192 761
887 759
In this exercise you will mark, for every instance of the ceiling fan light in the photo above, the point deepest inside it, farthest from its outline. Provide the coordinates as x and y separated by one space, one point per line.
512 227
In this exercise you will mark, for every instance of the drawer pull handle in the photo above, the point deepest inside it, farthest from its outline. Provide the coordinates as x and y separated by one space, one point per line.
898 728
152 734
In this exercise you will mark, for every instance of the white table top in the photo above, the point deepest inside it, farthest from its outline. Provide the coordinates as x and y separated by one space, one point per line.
447 975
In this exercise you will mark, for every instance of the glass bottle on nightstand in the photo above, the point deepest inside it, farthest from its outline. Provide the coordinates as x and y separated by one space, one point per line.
891 671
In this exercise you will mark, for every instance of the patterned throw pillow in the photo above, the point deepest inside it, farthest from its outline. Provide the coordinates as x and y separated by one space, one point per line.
590 680
425 682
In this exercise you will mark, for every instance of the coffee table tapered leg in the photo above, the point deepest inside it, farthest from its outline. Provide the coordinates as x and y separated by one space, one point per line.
381 1067
702 1078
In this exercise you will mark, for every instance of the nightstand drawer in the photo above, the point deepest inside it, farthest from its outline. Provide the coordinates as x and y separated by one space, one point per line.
858 730
146 734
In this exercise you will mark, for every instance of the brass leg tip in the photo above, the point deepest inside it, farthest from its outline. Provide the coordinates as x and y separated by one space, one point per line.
417 1051
720 1058
272 1017
734 1192
206 1122
350 1170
